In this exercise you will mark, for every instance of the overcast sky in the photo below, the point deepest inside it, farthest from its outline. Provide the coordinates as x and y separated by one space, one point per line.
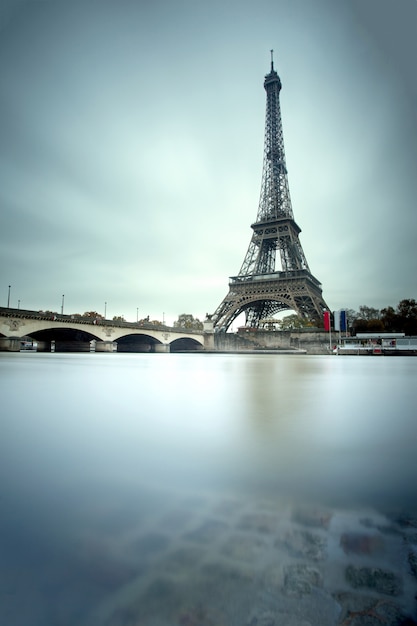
131 146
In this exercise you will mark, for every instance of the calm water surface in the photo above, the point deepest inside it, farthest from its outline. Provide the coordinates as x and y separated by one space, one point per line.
105 459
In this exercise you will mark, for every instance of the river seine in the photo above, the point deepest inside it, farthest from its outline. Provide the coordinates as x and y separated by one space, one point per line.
180 489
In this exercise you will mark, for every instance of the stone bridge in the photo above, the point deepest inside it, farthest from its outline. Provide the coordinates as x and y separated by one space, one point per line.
45 332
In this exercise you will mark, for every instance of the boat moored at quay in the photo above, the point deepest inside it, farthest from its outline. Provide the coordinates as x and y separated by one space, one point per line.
377 344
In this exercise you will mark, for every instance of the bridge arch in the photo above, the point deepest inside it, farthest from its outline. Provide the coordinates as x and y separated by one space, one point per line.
137 342
63 339
185 344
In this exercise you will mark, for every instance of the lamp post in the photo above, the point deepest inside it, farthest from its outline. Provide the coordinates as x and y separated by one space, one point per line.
62 304
8 297
18 304
105 309
137 315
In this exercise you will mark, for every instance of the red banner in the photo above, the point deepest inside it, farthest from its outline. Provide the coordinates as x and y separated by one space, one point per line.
326 320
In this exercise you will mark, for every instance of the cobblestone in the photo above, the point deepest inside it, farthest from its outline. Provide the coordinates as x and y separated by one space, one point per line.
219 561
381 581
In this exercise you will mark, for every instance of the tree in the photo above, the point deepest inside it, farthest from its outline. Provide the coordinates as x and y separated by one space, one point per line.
369 326
292 322
403 319
186 320
368 320
93 314
407 313
390 319
118 318
368 313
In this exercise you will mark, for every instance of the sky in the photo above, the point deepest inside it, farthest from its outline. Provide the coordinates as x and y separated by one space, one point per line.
131 146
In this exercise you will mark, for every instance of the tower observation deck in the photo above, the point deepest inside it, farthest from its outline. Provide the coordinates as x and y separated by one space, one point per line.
262 288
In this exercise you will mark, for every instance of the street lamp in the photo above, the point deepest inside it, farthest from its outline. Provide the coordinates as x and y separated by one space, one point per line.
105 309
62 304
137 315
8 297
18 304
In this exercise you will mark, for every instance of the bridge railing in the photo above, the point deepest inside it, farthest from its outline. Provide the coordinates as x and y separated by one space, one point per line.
98 321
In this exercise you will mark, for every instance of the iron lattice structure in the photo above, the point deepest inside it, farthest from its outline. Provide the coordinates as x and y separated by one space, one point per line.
260 290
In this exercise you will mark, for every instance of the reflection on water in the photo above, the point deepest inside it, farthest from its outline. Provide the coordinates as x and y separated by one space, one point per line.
205 489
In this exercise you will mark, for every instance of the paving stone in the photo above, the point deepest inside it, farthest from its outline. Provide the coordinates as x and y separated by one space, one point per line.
303 543
374 578
316 608
357 543
228 562
300 579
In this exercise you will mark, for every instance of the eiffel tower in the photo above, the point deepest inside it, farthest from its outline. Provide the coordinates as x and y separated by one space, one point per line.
259 290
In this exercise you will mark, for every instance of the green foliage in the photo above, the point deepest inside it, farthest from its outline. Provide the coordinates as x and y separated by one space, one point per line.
186 320
292 322
118 318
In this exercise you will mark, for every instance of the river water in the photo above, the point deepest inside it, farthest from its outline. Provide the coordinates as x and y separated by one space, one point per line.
125 478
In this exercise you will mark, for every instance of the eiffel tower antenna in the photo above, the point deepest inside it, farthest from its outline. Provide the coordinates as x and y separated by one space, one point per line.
260 289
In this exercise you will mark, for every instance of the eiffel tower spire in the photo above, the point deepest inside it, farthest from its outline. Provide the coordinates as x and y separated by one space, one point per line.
260 289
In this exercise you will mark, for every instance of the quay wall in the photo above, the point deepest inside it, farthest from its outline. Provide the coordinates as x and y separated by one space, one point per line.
313 341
